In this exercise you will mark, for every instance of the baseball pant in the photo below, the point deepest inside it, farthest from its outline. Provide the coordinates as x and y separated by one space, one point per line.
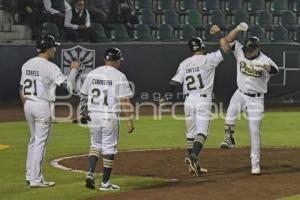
254 108
104 129
197 111
38 116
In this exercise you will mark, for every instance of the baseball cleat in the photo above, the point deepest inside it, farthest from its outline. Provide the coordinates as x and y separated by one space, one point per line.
109 187
228 143
43 184
194 167
90 180
202 170
255 171
188 162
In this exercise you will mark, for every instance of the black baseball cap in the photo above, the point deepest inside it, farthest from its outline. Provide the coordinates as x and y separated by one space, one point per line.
46 42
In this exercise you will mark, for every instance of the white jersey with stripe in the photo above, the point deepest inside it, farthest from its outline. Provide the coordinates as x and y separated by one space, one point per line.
197 73
251 77
104 87
39 79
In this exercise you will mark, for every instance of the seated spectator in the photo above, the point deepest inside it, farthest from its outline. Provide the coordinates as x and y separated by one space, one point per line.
57 10
128 16
99 10
32 13
77 23
105 11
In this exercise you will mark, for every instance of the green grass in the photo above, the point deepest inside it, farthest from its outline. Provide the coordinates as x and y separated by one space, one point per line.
296 197
278 129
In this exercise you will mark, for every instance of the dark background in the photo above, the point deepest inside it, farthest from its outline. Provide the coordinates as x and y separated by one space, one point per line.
150 67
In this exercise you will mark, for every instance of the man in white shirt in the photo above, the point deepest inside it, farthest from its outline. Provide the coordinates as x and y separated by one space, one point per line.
39 80
78 24
196 73
57 10
254 70
104 93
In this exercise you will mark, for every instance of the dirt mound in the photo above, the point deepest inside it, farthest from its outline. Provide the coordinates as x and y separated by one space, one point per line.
228 174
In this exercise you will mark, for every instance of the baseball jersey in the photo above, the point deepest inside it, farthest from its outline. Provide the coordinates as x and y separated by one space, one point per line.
39 79
104 86
197 73
251 77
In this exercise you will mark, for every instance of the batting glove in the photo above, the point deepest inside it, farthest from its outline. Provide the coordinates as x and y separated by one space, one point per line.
242 26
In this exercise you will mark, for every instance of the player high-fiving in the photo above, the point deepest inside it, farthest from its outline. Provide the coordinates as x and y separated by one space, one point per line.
196 74
254 69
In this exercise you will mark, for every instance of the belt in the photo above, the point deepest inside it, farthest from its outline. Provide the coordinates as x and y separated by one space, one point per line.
200 95
252 95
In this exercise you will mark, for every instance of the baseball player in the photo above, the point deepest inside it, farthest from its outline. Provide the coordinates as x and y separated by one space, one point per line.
37 90
103 92
196 73
253 73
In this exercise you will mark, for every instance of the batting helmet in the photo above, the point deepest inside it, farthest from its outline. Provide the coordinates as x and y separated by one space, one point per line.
46 42
196 44
113 54
251 44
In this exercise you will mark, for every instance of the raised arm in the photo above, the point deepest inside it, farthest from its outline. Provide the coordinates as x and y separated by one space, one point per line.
215 30
233 34
74 66
230 37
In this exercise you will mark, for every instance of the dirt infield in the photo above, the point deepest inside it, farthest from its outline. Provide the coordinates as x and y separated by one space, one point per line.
228 174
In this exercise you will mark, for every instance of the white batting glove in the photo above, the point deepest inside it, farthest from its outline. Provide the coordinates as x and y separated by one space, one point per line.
242 26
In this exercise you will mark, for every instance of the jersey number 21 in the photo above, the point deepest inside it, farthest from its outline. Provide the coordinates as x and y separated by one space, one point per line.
96 94
191 81
28 84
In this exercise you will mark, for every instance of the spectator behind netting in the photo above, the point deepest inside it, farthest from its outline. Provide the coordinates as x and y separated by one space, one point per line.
32 13
99 10
78 25
57 10
128 15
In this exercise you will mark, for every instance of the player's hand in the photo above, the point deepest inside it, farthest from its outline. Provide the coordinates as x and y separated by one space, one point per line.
242 26
214 29
75 65
82 27
266 67
61 14
162 101
85 114
130 126
86 118
82 120
28 9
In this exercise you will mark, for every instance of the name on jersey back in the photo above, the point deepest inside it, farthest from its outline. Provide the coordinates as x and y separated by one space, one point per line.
102 82
192 70
32 73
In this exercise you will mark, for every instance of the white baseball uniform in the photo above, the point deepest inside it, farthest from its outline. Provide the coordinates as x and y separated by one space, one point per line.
38 84
252 81
104 86
197 75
